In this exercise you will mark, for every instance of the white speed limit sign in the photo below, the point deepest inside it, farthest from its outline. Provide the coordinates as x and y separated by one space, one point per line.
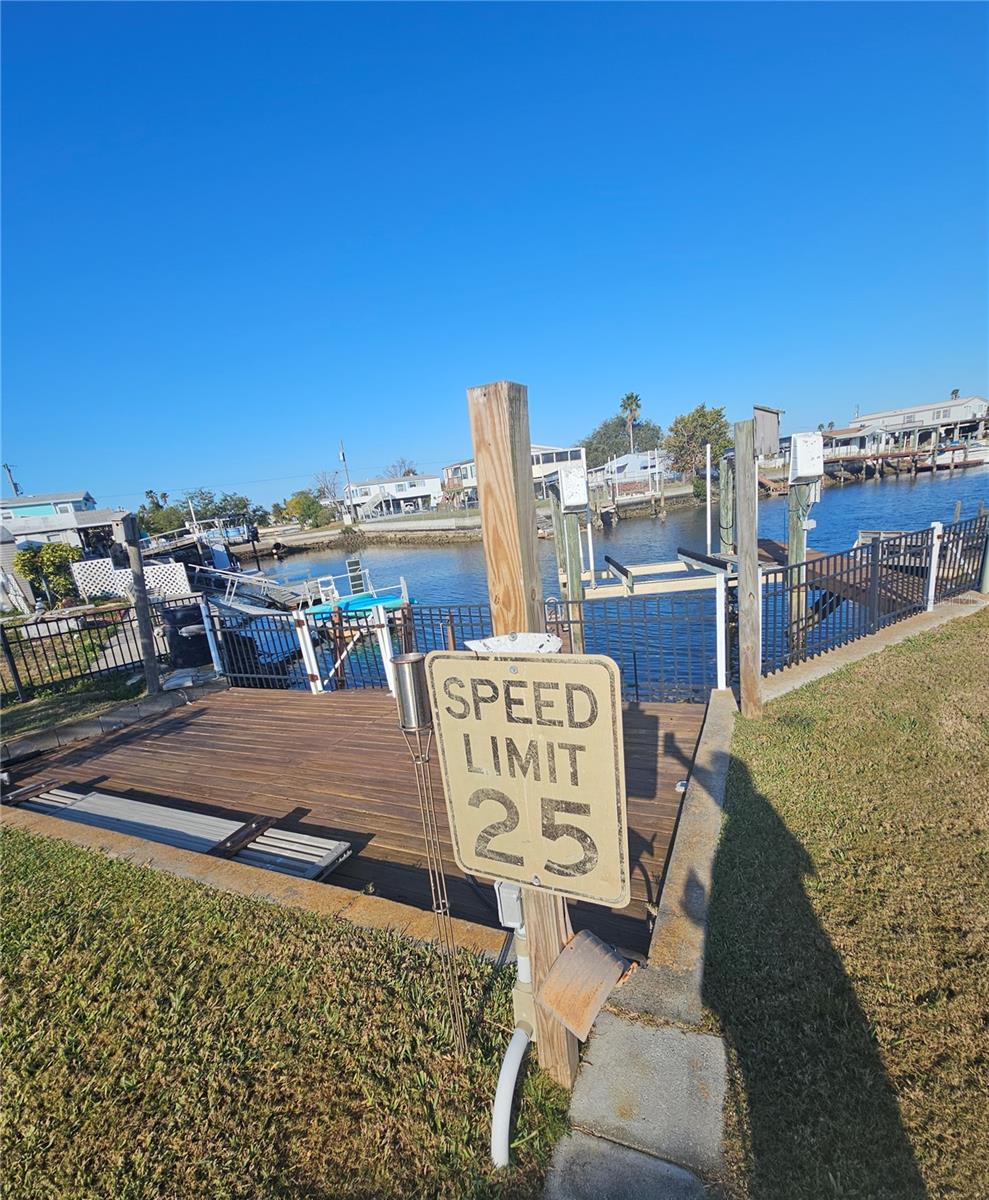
531 752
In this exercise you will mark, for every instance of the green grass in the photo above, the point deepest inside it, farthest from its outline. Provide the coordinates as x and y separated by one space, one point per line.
164 1040
86 698
849 931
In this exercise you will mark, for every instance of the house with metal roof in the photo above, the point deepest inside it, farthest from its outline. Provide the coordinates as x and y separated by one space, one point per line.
69 517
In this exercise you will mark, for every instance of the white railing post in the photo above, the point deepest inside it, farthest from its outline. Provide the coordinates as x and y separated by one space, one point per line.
590 548
720 630
309 660
214 649
384 643
937 534
761 618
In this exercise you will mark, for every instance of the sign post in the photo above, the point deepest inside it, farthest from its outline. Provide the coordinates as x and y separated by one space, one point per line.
499 418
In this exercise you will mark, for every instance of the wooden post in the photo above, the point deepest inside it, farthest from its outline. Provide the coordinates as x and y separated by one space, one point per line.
499 419
747 534
566 536
339 646
125 531
726 505
799 505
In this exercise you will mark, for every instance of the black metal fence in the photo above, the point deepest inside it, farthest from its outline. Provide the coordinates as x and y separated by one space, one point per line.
833 599
60 651
960 560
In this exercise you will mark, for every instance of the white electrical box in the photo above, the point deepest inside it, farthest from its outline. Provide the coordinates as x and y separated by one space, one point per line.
573 486
806 457
509 896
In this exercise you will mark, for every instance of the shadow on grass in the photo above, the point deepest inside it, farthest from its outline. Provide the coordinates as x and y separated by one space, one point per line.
822 1116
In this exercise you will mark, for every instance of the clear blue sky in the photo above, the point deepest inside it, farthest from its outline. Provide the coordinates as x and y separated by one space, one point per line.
234 234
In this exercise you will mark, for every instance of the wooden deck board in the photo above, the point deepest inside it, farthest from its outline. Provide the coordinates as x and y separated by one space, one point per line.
337 766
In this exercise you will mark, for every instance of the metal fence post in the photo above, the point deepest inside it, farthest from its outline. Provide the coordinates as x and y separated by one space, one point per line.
308 653
214 649
875 558
937 533
984 573
11 665
719 630
383 634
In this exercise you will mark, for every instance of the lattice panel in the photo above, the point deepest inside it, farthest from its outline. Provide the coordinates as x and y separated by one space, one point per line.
99 577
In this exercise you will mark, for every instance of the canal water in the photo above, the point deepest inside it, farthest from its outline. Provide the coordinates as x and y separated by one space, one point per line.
454 574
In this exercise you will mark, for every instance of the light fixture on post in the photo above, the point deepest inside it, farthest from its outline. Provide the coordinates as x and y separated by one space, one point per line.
416 720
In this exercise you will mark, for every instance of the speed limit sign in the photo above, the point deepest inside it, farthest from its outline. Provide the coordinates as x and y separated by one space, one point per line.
531 751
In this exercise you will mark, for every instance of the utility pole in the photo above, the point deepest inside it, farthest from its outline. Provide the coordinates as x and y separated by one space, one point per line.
15 487
749 599
125 531
499 419
346 471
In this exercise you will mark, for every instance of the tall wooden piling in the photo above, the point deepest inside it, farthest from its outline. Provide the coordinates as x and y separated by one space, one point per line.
749 599
499 418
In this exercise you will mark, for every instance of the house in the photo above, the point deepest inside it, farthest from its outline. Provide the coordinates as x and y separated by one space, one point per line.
460 478
963 419
410 493
632 472
856 440
70 517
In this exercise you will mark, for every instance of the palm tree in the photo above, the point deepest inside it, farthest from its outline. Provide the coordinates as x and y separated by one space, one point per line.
631 407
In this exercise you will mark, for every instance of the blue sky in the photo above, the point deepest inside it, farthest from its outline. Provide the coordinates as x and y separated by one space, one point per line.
234 234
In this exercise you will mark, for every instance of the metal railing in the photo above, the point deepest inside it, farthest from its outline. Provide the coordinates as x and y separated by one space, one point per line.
61 651
828 601
960 561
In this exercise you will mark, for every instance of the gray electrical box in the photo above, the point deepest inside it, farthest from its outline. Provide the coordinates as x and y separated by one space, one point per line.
767 431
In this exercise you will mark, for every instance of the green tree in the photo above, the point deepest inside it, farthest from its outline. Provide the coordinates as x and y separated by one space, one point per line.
610 439
161 519
209 506
49 566
306 508
689 434
630 408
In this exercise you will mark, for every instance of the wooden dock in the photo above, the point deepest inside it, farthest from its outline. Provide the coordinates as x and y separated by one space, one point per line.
336 766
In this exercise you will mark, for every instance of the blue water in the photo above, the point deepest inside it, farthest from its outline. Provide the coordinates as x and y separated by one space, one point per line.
455 574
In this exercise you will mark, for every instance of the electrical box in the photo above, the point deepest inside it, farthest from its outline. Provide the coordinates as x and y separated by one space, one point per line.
509 896
767 431
573 486
806 457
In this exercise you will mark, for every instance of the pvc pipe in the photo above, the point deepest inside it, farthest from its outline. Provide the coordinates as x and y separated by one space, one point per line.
707 496
501 1112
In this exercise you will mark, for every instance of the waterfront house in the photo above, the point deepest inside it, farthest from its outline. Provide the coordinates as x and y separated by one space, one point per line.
379 496
960 419
460 478
633 473
69 517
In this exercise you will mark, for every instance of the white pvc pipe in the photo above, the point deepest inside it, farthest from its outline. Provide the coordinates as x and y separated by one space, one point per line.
501 1112
707 454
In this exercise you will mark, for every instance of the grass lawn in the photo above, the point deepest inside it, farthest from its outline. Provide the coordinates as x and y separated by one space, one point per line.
849 941
164 1040
85 699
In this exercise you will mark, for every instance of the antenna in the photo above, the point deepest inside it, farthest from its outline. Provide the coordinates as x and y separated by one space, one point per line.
15 487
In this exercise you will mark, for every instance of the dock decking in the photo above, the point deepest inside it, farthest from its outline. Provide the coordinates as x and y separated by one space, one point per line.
336 766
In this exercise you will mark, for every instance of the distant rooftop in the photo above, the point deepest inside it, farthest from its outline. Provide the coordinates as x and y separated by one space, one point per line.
392 479
45 498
